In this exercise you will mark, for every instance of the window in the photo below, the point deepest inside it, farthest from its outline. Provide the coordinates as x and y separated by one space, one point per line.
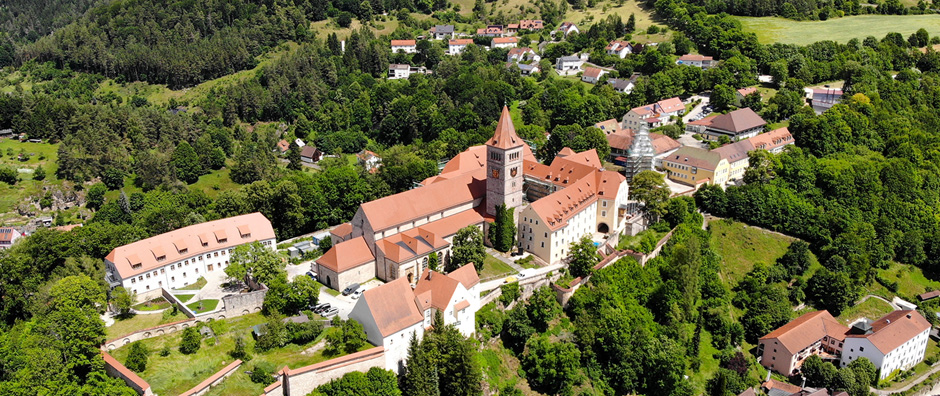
140 278
162 270
172 279
223 252
172 267
133 280
204 244
861 349
161 258
216 254
148 276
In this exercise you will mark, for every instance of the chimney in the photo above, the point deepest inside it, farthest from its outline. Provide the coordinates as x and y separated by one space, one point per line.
908 316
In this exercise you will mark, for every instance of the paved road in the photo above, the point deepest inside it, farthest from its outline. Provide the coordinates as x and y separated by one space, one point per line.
697 109
490 285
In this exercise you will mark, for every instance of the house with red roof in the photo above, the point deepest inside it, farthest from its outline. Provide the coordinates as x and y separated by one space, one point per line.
741 93
504 42
619 48
896 341
654 114
456 46
8 236
700 61
736 125
592 75
395 312
404 46
178 258
816 333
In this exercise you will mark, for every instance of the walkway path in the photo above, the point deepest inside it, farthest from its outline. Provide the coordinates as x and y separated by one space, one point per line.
499 256
924 376
895 307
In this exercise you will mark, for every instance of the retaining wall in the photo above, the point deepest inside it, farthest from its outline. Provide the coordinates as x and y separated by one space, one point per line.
302 381
115 369
214 380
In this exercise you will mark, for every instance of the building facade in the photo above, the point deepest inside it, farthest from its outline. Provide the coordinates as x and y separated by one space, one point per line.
178 258
897 341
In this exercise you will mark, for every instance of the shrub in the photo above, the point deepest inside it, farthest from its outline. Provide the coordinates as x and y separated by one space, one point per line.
261 375
165 351
137 357
240 351
191 342
510 293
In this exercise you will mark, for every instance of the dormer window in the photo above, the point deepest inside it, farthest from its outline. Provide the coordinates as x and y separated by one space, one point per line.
183 251
161 258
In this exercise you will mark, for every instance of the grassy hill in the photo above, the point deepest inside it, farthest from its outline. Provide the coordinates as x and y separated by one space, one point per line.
770 30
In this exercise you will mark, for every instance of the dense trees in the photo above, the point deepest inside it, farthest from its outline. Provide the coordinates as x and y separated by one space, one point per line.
583 257
191 341
468 248
444 364
373 382
503 231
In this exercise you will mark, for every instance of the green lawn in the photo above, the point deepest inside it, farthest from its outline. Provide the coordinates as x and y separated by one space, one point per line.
36 154
872 308
200 283
329 291
184 297
740 246
139 322
176 373
911 280
633 242
207 305
493 267
153 305
770 30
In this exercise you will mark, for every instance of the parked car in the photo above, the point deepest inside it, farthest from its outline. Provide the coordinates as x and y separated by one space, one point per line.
356 294
321 307
350 289
330 312
312 275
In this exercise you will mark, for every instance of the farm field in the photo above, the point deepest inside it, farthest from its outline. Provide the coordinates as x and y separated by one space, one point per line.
841 30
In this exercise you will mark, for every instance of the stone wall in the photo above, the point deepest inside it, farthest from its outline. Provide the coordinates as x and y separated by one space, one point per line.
243 303
115 369
214 380
302 381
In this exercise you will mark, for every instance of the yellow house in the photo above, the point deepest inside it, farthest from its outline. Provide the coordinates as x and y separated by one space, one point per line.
694 166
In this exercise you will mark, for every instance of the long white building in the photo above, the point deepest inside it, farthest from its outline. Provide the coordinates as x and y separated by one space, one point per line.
178 258
897 341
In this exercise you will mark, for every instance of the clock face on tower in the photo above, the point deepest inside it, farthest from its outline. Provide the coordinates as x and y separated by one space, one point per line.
496 173
513 172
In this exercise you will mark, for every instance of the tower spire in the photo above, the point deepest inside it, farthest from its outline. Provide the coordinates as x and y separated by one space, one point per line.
505 136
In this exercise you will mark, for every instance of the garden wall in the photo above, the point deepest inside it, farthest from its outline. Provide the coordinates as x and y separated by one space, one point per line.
115 369
302 381
214 380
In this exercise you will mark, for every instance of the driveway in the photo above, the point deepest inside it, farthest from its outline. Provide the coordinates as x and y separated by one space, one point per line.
345 303
697 109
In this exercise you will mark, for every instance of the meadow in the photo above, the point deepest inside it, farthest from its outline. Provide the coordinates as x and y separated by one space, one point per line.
770 30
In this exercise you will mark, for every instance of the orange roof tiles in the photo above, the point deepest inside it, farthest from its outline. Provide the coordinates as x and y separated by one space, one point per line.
894 329
806 330
608 184
783 386
342 230
402 43
407 206
609 126
460 41
593 72
737 121
691 57
282 145
461 305
347 255
773 139
747 91
505 40
393 306
466 275
671 105
505 136
126 372
558 207
440 286
146 251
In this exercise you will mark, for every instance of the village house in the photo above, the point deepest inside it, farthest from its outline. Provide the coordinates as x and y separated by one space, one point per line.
399 71
816 333
491 31
823 99
310 154
404 46
655 114
572 197
442 32
569 63
282 147
736 125
8 236
395 312
524 69
592 75
504 42
522 54
695 167
700 61
369 160
897 341
456 46
741 93
619 48
531 24
622 85
567 28
178 258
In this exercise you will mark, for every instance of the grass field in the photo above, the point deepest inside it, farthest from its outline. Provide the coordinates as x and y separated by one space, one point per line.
153 305
138 322
911 280
741 246
36 154
184 297
872 308
200 283
207 305
492 267
770 30
176 373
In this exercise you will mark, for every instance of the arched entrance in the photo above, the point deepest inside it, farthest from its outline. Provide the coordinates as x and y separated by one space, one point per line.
328 282
603 228
411 277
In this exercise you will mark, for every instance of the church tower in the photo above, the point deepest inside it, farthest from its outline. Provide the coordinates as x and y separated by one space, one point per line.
504 166
641 153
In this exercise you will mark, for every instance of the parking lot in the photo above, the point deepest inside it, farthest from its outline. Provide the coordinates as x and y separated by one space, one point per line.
345 304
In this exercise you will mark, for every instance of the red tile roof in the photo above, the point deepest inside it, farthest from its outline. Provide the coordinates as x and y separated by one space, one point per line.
466 275
505 40
738 121
773 139
593 72
402 43
558 207
806 330
691 57
282 145
460 41
929 295
440 287
894 329
342 230
347 255
505 136
747 91
783 386
420 202
145 252
7 234
393 306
